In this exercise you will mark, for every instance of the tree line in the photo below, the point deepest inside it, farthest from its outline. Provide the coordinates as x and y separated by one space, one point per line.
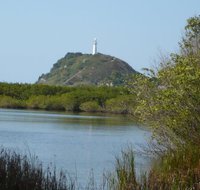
65 98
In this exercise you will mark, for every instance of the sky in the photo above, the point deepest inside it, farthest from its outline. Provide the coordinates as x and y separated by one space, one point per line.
34 34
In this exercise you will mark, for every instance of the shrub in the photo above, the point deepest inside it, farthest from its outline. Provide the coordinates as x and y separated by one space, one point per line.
91 106
37 102
121 104
9 102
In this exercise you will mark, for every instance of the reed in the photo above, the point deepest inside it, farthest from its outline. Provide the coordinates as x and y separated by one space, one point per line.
174 170
18 172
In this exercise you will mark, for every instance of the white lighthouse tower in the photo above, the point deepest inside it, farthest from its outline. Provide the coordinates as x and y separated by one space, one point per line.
94 47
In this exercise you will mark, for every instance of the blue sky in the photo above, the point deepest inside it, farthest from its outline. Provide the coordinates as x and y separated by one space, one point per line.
34 34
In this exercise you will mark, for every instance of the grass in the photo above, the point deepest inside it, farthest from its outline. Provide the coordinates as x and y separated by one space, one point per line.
173 171
18 172
178 169
124 176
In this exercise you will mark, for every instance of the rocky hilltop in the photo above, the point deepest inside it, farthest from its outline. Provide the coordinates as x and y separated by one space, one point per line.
87 69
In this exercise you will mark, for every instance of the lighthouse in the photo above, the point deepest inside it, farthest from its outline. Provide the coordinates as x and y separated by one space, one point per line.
94 47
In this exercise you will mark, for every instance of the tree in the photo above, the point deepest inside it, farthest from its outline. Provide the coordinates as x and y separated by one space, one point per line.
168 101
191 41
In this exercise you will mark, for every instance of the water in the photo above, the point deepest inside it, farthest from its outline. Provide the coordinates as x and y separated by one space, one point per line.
74 142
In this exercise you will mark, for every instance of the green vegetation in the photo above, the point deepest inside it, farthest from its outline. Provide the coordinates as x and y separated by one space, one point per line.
171 171
123 176
18 172
176 170
167 100
85 69
82 98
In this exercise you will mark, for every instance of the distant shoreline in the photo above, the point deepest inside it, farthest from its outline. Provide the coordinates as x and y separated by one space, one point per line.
91 99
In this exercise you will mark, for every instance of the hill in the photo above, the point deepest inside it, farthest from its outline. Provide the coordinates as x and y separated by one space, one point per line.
77 69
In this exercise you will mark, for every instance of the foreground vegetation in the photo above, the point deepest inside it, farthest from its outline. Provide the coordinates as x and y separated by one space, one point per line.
175 170
168 101
18 172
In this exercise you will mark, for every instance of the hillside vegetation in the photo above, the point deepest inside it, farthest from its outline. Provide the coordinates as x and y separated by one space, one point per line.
86 69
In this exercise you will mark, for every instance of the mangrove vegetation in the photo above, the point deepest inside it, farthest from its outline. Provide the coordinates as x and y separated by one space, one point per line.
64 98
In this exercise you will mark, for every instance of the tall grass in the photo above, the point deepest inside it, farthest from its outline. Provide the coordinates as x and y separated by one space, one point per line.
18 172
178 169
124 176
173 171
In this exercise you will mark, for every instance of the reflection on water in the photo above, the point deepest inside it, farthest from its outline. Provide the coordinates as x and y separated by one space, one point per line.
74 142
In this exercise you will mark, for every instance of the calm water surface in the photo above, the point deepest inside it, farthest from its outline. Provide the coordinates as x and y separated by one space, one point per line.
74 142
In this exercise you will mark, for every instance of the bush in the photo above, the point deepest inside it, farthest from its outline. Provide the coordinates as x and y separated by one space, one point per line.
91 106
9 102
121 104
54 103
69 102
37 102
